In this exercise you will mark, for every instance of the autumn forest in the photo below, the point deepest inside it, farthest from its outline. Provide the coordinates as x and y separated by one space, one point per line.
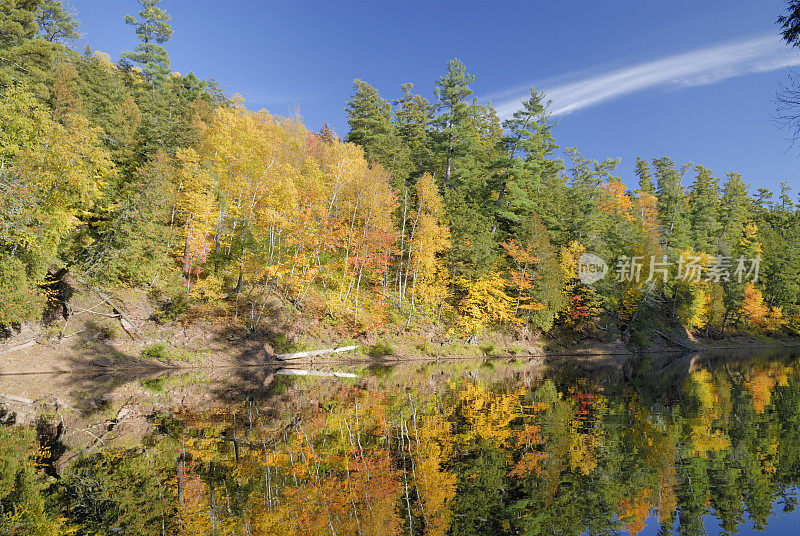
518 313
427 212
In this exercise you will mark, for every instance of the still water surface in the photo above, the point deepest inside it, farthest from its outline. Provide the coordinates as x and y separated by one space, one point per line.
702 445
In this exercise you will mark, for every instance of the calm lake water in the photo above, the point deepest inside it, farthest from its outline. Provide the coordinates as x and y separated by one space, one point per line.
693 445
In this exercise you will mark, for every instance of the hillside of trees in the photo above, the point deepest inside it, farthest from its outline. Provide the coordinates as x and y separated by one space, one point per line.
429 212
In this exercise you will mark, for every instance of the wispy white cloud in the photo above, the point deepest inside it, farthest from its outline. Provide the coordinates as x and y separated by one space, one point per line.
699 67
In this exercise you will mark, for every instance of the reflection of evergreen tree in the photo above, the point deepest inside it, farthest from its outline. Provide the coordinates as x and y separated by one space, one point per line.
726 499
479 507
787 413
692 494
750 435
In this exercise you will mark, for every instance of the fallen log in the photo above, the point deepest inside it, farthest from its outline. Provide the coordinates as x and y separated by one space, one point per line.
692 347
304 372
22 346
18 399
127 324
315 353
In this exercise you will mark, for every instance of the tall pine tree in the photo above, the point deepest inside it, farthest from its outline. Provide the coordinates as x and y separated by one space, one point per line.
644 176
672 207
736 208
25 58
413 115
153 30
56 24
527 148
370 120
704 207
453 138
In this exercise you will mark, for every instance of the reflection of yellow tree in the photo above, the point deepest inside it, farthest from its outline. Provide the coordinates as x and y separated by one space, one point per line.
585 437
198 509
436 487
760 384
704 440
762 380
667 481
488 414
656 444
531 460
582 450
344 486
376 463
634 511
703 435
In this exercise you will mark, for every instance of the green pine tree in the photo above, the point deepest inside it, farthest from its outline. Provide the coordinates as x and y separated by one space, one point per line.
704 207
25 59
585 220
736 211
644 176
527 151
452 137
412 118
672 206
56 23
371 127
152 30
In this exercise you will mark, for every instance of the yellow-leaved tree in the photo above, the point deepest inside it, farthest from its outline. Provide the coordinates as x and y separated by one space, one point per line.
289 215
583 306
194 212
615 199
485 302
692 291
645 207
535 275
51 174
430 239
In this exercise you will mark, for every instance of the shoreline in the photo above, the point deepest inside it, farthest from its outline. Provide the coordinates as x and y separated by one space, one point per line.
389 360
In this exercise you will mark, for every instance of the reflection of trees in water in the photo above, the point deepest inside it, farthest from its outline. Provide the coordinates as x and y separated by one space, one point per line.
472 451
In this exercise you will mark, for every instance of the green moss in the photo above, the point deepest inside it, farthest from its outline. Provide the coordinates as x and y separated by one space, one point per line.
156 385
515 349
156 352
381 349
640 338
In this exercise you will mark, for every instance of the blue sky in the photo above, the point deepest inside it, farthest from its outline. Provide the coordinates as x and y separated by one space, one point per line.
691 80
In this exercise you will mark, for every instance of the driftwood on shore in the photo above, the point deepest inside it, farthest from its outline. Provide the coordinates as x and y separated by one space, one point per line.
315 353
17 399
304 372
22 346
